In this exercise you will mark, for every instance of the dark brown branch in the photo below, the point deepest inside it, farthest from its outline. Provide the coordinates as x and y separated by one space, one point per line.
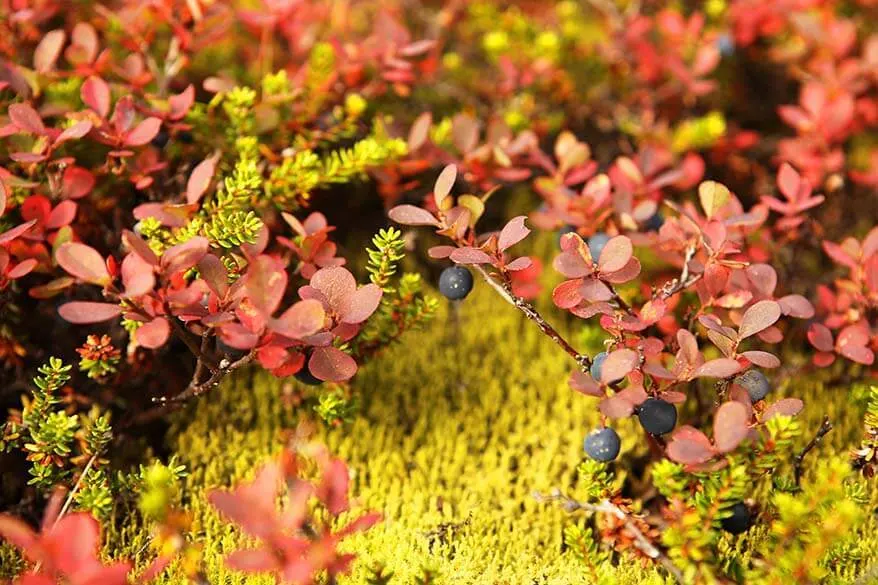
531 313
225 367
799 459
642 543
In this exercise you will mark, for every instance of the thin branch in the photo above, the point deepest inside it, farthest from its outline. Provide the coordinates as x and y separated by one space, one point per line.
531 313
187 337
799 459
225 367
642 543
76 487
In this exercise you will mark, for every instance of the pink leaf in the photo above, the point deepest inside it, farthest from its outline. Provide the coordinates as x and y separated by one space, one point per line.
419 131
137 276
820 337
759 316
181 103
858 354
48 51
214 273
137 245
796 306
619 364
330 364
13 233
718 368
95 93
144 132
62 215
359 306
521 263
83 262
74 132
301 320
77 182
689 446
567 294
183 256
788 181
411 215
763 359
253 560
584 383
440 252
471 256
266 282
200 178
784 406
335 284
26 118
512 233
444 184
616 407
616 254
154 334
83 312
18 534
23 268
730 426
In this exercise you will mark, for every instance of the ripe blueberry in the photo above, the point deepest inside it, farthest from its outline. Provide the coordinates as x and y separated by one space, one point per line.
597 365
455 282
755 383
306 377
654 223
596 244
656 416
739 521
602 444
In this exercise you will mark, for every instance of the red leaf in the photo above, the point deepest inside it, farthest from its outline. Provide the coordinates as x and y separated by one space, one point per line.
144 132
83 312
266 283
154 334
18 534
619 364
411 215
796 306
759 316
137 245
784 406
689 446
330 364
763 359
253 560
62 215
584 383
616 407
470 256
48 51
23 268
820 337
359 306
512 233
77 182
26 118
616 254
95 93
419 131
2 198
74 132
301 320
214 273
788 181
858 354
181 103
567 294
184 256
730 426
521 263
718 368
137 276
200 178
444 183
83 262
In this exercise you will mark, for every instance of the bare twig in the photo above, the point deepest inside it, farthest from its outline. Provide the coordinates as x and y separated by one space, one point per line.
799 459
642 543
226 367
531 313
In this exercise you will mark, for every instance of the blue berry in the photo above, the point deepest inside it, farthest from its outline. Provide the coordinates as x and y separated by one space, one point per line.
597 365
306 377
455 282
739 521
160 140
654 223
602 444
726 45
596 244
755 383
656 416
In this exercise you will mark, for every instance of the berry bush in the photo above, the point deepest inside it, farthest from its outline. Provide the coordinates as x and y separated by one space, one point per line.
237 236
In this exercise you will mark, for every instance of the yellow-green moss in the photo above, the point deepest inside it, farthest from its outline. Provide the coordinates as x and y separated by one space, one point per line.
459 425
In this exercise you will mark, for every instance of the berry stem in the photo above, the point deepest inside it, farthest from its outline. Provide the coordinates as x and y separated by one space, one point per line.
607 507
531 313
